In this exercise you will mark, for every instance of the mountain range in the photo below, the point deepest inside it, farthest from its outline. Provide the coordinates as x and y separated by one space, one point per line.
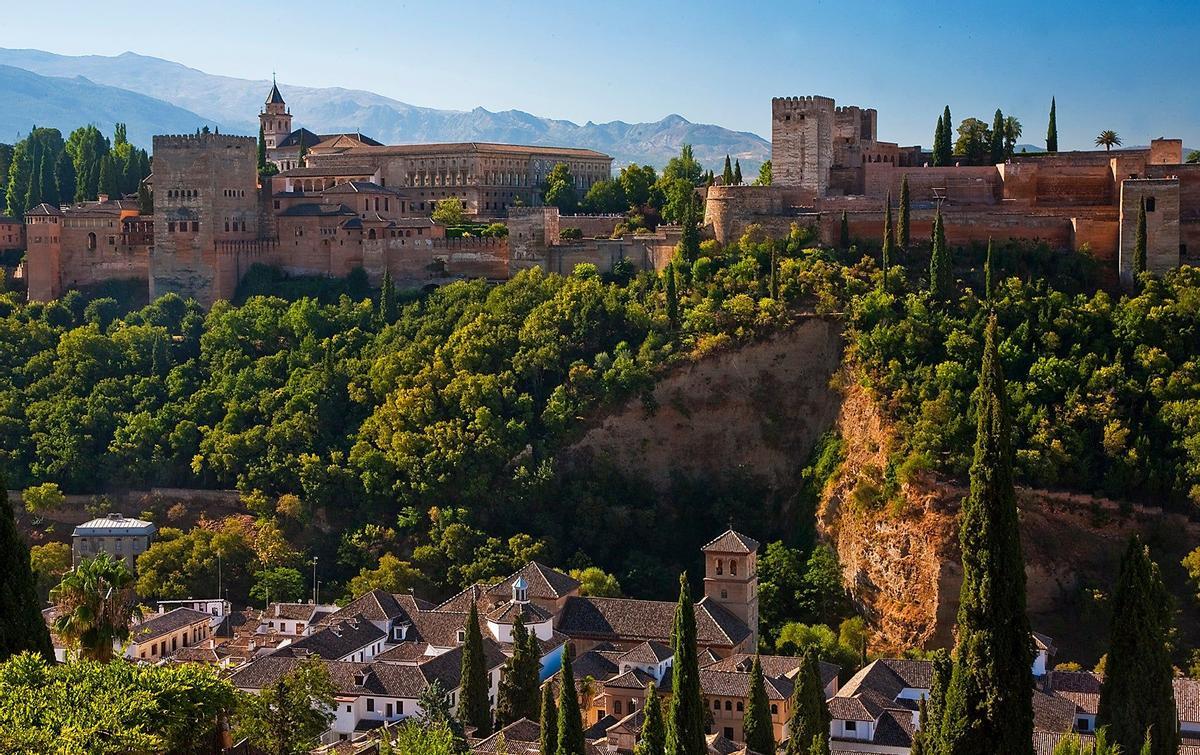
152 95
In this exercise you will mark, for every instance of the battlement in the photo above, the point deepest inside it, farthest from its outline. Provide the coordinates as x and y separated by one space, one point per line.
189 141
809 102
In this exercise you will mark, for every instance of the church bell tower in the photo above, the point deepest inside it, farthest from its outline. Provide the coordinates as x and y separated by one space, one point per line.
275 118
731 577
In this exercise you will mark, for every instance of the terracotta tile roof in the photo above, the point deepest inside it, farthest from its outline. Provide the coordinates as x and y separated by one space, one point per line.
894 729
628 619
274 97
507 613
731 542
316 209
358 187
376 605
773 666
518 738
737 684
337 640
518 149
1044 642
405 652
1187 699
543 582
388 679
635 679
44 209
1080 687
1051 713
447 667
291 611
647 652
595 664
165 623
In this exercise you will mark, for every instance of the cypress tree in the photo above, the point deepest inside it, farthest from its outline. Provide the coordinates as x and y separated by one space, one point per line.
1052 128
689 237
997 143
1137 695
905 229
262 150
774 274
570 721
939 137
473 706
820 744
672 296
21 625
737 172
845 239
809 720
46 179
548 723
927 740
759 731
886 252
518 695
300 159
33 190
387 299
145 200
108 178
685 717
1139 243
653 739
727 174
987 274
941 280
989 702
64 177
918 738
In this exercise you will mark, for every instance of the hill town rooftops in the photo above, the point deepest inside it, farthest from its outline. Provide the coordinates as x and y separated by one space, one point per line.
165 623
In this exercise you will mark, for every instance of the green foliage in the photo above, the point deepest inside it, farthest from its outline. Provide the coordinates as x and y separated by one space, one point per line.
941 268
570 739
737 173
559 189
844 235
548 722
280 584
605 196
996 143
289 717
904 231
596 582
96 607
21 625
38 499
518 695
885 256
1052 128
727 173
808 725
637 183
795 639
686 712
1136 695
110 708
474 708
988 705
449 212
973 142
390 575
764 174
653 738
1139 242
179 565
759 732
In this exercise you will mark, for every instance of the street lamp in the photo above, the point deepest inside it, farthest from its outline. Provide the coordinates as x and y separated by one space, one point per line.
314 580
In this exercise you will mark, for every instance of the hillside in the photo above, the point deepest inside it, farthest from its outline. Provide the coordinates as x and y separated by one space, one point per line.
235 103
67 103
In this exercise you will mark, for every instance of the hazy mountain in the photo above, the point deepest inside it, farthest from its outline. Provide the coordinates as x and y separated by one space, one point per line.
67 103
235 104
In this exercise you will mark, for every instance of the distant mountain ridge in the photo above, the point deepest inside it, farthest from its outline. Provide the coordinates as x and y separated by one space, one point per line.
234 104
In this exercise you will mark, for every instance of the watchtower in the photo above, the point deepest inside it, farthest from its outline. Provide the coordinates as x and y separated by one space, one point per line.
275 118
731 577
802 130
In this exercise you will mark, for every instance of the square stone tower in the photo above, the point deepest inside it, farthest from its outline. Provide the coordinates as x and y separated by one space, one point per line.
205 205
731 577
802 130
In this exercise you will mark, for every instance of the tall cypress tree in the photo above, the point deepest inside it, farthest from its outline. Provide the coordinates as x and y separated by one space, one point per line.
774 283
1052 128
64 177
759 731
387 299
1137 695
653 739
672 295
927 740
886 252
46 180
474 708
939 138
987 274
262 150
737 172
845 231
809 719
941 274
548 723
570 720
33 190
685 717
904 236
21 625
945 155
1139 243
727 174
518 694
997 143
989 702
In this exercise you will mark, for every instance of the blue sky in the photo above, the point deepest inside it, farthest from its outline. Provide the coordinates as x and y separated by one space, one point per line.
1128 66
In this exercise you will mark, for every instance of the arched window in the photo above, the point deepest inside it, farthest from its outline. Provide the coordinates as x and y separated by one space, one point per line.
733 566
371 234
720 566
728 705
617 707
91 242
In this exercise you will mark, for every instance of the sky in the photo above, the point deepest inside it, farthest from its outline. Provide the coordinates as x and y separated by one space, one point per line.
1127 66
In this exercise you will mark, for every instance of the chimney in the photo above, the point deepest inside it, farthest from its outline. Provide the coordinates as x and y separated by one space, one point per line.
101 197
115 516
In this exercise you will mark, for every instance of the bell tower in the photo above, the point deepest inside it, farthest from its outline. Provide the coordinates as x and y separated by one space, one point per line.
275 118
731 577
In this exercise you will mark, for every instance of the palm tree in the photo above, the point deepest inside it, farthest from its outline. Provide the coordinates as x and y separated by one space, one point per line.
1012 132
96 606
1108 139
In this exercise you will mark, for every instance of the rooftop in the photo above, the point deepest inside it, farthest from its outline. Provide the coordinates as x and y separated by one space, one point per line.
114 524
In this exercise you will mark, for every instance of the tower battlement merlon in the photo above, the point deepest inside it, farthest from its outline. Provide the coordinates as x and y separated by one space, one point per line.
812 101
183 141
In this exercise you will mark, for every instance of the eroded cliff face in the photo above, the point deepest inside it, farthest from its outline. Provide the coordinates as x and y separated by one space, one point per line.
757 409
901 559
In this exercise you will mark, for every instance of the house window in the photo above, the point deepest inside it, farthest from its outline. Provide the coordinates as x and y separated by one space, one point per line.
1083 725
347 708
728 705
400 708
389 710
851 726
740 706
371 704
720 566
733 567
774 709
617 707
729 732
716 704
724 594
1149 204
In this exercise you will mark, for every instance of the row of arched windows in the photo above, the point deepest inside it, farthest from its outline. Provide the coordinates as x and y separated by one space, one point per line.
183 193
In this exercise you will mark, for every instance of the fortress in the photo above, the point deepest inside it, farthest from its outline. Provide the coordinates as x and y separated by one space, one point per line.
358 204
828 159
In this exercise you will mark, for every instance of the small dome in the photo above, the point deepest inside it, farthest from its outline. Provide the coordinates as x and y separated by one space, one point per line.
521 584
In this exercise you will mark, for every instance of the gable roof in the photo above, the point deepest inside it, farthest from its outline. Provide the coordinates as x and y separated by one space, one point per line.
774 666
336 640
649 652
165 623
542 582
731 542
376 605
629 619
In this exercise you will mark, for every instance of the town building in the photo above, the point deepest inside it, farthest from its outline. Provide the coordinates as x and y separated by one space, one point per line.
161 635
119 536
